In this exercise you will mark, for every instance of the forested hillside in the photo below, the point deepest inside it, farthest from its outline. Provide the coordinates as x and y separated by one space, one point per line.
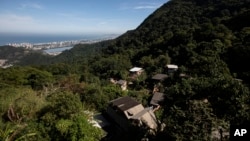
209 41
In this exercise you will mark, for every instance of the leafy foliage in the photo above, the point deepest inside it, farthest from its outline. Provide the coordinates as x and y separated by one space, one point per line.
208 40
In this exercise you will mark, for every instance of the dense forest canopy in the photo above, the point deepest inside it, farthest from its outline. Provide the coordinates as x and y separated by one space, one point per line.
44 98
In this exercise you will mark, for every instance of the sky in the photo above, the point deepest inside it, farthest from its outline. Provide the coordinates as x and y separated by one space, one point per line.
74 16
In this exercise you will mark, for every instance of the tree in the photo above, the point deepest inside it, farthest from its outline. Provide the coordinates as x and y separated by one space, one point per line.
38 79
64 105
63 119
19 107
194 121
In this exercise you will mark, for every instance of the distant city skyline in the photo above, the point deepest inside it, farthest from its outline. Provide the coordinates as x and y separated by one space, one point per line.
74 17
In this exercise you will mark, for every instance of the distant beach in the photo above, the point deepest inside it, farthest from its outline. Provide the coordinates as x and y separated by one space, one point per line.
34 38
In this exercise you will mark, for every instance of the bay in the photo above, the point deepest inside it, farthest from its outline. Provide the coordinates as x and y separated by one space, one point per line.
56 50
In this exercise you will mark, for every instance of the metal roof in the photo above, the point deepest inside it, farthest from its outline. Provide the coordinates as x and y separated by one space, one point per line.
171 66
134 69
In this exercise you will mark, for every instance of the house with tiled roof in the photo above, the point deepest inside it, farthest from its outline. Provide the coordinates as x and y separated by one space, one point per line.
125 111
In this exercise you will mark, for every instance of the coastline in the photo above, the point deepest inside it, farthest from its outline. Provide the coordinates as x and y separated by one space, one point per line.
56 47
31 39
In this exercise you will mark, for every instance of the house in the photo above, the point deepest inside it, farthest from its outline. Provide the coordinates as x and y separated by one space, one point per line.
156 82
172 68
157 99
135 71
125 111
122 84
159 77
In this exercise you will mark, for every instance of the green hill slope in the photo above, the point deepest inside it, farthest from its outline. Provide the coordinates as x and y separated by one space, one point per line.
191 33
209 41
195 34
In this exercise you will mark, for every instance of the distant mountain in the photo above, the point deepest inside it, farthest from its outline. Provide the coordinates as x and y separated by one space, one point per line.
23 56
8 52
12 54
209 40
196 34
199 35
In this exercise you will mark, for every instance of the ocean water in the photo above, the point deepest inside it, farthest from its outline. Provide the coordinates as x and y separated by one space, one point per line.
35 38
55 50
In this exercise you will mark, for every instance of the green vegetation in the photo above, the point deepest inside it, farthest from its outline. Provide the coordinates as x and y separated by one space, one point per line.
44 98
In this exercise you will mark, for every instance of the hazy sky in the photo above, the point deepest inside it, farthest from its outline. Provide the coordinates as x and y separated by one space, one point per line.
74 16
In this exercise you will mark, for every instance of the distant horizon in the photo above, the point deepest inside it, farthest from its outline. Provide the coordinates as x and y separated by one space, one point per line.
7 38
60 33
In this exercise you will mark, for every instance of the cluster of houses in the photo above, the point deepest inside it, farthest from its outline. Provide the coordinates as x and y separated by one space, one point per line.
4 64
126 111
135 72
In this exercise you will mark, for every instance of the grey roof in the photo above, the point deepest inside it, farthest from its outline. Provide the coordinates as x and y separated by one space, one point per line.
124 103
121 82
159 76
157 98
